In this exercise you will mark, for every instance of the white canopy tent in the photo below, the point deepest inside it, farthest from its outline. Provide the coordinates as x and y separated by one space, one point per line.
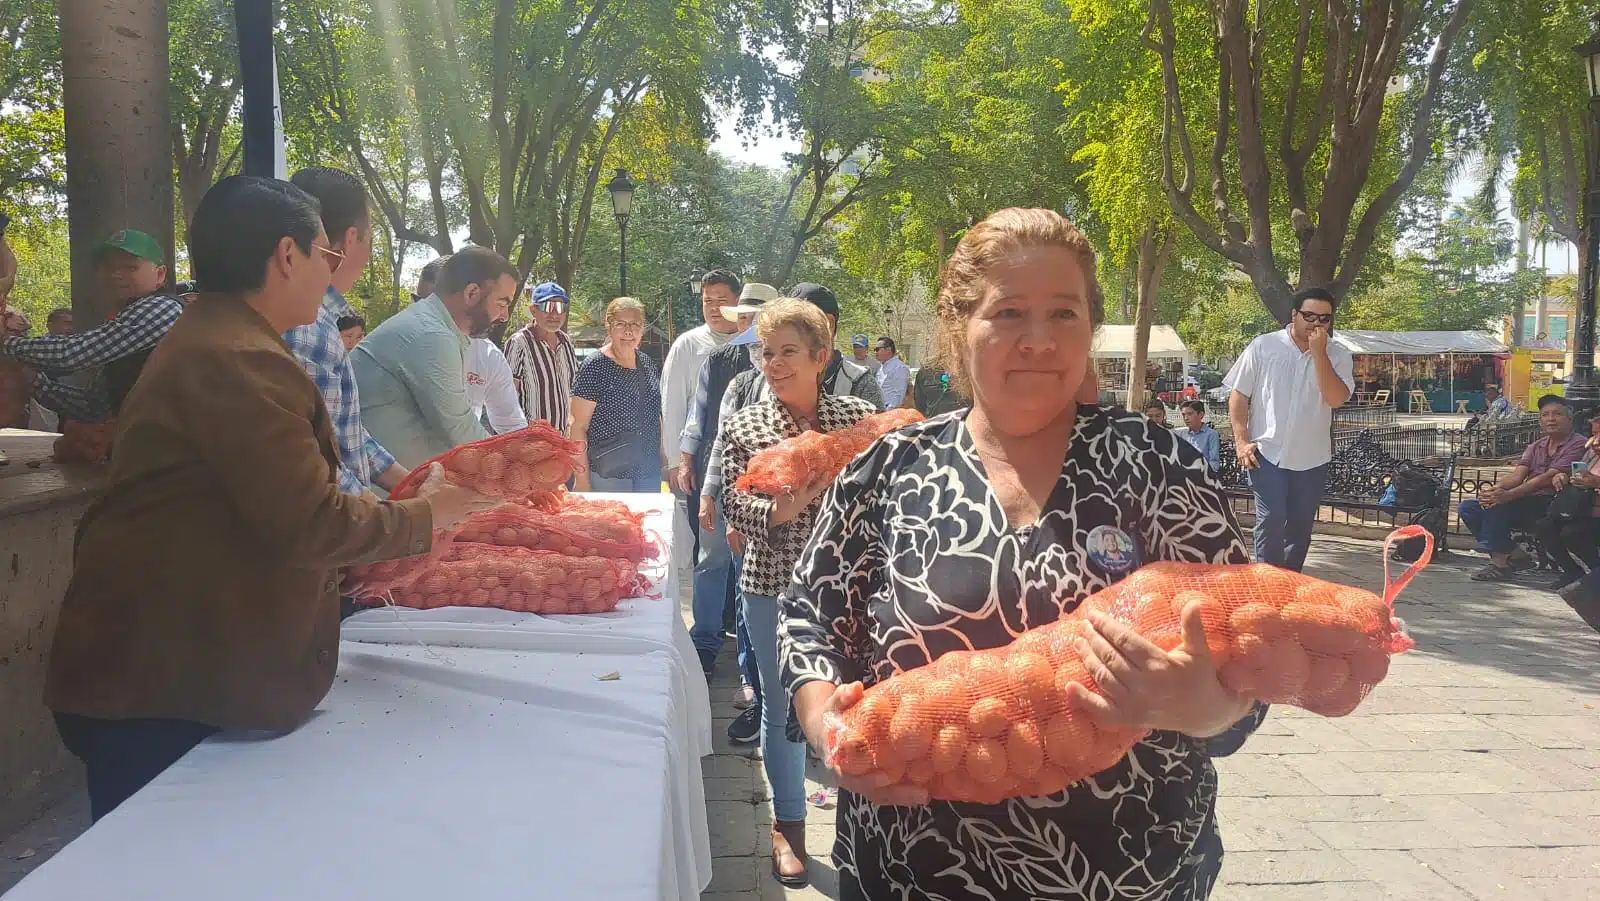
1113 355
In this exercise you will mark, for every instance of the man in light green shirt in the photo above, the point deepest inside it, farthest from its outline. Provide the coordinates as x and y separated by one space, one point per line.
412 369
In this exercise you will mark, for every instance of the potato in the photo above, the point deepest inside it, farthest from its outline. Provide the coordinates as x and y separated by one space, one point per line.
493 467
1067 739
1031 679
1285 675
949 747
1340 703
1024 750
1322 628
911 729
1326 676
1368 666
1048 781
989 717
986 761
549 472
854 755
517 482
1256 619
872 715
466 461
920 771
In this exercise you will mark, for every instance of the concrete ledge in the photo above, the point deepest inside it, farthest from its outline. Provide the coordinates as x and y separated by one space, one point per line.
40 506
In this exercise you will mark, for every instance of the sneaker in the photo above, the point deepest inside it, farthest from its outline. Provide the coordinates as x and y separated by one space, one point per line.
746 727
743 697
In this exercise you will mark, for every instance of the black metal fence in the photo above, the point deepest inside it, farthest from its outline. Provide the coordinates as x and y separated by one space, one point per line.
1365 460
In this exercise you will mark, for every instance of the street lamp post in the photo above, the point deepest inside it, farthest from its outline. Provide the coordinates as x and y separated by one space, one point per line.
622 205
1583 387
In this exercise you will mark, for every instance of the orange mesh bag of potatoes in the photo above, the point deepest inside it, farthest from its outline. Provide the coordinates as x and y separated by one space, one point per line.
579 529
375 582
516 578
798 461
513 466
988 725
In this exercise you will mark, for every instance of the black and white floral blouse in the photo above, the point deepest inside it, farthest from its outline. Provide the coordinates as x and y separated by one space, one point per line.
770 553
912 557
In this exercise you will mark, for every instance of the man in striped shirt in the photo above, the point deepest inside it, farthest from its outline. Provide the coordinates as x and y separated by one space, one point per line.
543 362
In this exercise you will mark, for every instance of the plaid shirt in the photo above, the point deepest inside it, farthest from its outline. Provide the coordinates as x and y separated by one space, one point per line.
140 326
323 355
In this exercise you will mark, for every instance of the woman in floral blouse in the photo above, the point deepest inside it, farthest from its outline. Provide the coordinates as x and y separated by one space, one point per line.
796 347
965 530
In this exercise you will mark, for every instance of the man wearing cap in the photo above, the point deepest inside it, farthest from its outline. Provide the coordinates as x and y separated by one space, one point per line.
859 353
543 360
894 376
134 272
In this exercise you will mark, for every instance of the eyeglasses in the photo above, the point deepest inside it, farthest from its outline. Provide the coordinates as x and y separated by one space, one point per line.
1316 318
627 326
335 258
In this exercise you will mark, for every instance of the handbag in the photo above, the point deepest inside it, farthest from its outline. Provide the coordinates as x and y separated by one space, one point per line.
1570 503
620 457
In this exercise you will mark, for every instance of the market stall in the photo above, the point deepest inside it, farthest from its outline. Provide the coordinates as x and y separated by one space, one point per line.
1448 368
462 752
1167 358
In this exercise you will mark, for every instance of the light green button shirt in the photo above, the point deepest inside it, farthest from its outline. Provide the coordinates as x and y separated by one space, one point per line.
411 372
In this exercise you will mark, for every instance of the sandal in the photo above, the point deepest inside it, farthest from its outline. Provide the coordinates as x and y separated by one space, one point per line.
789 853
1490 573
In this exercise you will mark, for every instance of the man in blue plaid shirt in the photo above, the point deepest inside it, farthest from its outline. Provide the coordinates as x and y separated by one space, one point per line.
345 218
133 267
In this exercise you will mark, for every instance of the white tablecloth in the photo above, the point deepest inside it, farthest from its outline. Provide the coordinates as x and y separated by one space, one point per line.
462 753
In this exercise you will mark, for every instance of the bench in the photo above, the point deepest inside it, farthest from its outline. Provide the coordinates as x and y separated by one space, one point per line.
1358 475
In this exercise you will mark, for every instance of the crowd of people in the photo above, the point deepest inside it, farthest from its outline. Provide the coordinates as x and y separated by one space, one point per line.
261 425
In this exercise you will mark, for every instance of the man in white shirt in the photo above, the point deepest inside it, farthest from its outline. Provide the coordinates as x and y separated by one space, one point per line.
679 374
489 384
894 376
1283 392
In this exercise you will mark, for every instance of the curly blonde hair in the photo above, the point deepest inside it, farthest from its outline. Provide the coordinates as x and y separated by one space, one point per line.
963 277
801 315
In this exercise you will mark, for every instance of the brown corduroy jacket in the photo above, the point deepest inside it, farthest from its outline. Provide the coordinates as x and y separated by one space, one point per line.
205 585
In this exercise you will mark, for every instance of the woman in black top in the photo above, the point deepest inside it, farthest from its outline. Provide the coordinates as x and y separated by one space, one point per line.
616 408
965 530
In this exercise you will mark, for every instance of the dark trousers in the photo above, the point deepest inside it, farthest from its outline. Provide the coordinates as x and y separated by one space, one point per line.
1286 508
1563 538
123 756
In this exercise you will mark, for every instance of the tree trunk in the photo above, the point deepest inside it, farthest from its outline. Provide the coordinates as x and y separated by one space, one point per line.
1155 247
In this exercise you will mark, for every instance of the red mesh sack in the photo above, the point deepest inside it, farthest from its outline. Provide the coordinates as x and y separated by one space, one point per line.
513 466
989 725
514 578
794 462
376 581
84 442
579 529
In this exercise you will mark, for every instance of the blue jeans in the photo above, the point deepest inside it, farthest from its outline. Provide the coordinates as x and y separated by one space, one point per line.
741 641
784 760
713 588
1286 506
1492 525
638 483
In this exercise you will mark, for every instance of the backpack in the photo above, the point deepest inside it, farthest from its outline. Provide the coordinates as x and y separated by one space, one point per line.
1415 487
1407 550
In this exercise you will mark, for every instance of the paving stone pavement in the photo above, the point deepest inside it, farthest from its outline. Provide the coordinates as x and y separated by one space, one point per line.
1471 774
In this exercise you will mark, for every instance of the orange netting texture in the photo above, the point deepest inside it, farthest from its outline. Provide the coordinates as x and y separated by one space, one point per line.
989 725
513 466
515 578
579 528
798 461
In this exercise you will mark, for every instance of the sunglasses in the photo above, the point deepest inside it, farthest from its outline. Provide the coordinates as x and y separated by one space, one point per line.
552 306
1316 318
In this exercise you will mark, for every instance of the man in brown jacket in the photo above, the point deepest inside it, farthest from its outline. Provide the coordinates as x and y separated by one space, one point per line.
205 593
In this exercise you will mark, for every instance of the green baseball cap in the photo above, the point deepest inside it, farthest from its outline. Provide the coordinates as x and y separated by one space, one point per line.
141 245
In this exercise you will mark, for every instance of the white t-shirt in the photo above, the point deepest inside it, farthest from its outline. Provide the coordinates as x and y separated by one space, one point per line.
1289 420
679 375
489 385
